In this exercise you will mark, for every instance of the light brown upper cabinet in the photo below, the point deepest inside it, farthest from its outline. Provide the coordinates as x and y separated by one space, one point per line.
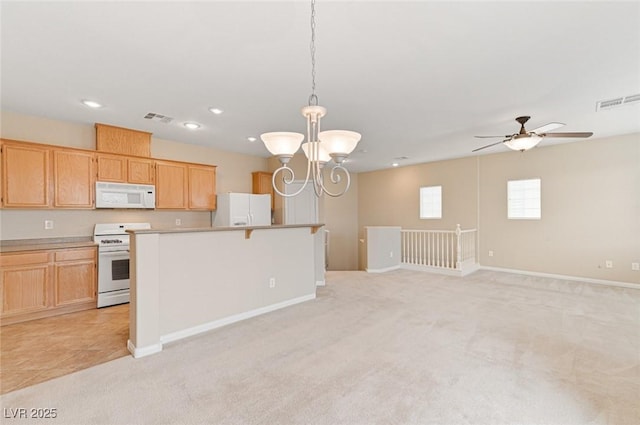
262 184
25 175
202 187
112 168
34 175
181 185
125 169
171 185
140 170
73 178
122 140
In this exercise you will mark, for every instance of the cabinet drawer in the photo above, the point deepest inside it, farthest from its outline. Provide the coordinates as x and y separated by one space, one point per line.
76 254
21 259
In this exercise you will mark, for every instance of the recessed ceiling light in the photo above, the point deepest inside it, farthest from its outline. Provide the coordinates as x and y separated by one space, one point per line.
216 111
395 164
251 139
192 125
91 104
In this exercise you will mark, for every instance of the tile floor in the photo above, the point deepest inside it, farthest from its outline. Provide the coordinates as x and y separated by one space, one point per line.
39 350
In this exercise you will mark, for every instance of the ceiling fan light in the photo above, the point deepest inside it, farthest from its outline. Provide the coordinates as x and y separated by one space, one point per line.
339 142
523 142
282 143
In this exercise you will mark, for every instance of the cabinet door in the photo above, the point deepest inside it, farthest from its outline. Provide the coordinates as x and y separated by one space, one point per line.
112 168
73 179
25 176
171 185
122 140
262 184
140 171
75 276
75 282
24 283
202 187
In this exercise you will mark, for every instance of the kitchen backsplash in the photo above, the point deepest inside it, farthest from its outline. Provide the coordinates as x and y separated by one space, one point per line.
30 224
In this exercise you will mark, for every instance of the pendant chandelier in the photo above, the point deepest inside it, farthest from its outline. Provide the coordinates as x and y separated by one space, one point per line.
321 147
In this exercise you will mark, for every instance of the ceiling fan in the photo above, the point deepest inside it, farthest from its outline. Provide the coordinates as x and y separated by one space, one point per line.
524 140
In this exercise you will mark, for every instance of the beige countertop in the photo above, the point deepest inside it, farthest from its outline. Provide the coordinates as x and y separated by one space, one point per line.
314 227
19 245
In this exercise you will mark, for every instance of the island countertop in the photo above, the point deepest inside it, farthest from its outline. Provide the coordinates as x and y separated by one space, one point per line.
248 229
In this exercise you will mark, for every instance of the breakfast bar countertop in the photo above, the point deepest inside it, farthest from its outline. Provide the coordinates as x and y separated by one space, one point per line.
247 229
314 227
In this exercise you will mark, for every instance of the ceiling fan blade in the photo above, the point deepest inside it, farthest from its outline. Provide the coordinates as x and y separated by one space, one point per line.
490 137
488 146
547 127
582 134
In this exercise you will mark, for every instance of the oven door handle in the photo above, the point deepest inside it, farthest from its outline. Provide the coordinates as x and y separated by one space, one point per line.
114 253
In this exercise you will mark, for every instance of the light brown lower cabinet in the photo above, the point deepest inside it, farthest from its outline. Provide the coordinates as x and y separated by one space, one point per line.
39 284
75 276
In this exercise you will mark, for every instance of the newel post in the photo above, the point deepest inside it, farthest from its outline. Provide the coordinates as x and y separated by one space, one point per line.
458 250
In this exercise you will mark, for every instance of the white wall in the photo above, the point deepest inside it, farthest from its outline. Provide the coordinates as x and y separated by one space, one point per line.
383 248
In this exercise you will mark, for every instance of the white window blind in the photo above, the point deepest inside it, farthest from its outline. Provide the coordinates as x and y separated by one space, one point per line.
523 199
431 202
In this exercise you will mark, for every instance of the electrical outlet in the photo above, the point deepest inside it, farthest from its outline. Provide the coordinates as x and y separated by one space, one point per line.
390 254
48 224
608 264
635 267
272 282
178 222
490 253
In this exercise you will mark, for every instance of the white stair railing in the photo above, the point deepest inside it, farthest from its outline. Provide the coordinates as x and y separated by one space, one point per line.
445 249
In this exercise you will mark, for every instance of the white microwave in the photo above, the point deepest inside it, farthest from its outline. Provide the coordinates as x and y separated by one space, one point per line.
123 195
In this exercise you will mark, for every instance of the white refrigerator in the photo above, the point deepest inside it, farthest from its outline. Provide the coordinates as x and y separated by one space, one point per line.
243 209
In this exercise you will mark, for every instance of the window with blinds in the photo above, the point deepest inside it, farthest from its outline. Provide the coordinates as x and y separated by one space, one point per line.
431 202
523 199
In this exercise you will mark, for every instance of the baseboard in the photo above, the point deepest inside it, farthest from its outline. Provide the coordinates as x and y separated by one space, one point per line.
386 269
195 330
565 277
320 283
144 351
466 270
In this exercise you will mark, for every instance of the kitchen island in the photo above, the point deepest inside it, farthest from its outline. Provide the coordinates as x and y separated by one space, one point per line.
188 281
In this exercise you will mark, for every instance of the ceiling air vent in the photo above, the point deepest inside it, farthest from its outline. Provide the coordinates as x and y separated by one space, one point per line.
631 99
619 101
158 117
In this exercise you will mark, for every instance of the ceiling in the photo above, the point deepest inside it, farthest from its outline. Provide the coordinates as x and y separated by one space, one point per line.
417 79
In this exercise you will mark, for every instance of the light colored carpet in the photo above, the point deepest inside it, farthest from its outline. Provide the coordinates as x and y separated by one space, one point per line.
402 347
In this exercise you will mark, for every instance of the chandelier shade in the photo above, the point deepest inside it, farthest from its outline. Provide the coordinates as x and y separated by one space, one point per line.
320 155
339 142
282 143
523 142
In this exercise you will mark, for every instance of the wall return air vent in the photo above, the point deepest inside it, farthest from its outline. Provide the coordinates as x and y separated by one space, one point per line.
619 101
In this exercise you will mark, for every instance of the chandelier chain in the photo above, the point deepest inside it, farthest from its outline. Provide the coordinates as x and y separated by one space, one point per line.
313 99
